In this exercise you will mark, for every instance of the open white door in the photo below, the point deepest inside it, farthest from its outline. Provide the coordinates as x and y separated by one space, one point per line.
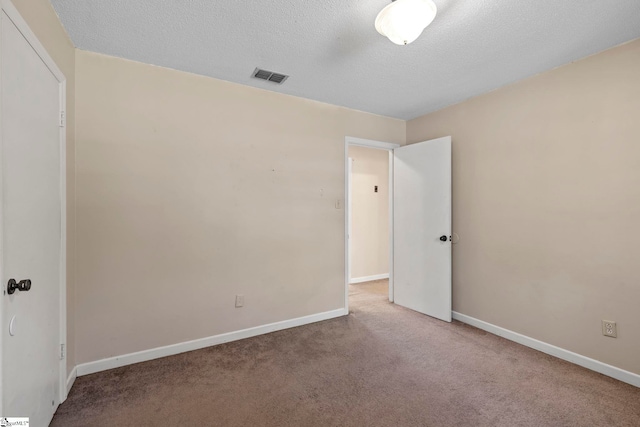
32 228
422 227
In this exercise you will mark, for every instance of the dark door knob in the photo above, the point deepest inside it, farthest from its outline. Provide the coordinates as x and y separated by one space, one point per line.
443 238
23 285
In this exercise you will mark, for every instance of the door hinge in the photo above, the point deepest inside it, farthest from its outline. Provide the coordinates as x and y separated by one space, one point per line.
62 119
62 353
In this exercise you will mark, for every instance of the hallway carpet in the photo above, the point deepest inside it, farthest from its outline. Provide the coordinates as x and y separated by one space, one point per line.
382 365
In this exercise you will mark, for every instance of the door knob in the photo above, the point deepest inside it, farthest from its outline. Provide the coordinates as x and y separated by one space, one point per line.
443 238
23 285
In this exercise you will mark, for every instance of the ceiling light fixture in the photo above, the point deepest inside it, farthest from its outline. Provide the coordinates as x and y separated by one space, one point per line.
403 21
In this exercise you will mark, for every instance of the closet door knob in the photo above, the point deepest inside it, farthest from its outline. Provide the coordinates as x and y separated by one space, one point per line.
23 285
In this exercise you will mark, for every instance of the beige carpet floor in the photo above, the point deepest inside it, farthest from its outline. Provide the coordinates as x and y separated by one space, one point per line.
382 365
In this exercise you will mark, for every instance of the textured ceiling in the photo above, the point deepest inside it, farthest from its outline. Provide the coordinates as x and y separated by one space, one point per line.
333 53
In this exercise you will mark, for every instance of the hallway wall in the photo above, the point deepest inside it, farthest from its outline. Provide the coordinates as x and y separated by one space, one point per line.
369 212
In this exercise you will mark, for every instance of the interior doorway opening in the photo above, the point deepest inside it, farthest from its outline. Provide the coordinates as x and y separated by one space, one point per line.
369 214
419 194
369 210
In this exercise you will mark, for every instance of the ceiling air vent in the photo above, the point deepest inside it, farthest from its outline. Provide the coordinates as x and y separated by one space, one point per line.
269 76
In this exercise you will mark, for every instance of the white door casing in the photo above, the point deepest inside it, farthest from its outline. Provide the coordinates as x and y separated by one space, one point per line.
422 215
349 210
33 223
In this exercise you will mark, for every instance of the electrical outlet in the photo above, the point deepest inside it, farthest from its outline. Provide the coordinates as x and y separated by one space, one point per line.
609 329
239 301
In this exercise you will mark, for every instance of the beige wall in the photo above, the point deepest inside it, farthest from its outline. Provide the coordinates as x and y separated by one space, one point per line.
192 190
369 212
44 23
546 200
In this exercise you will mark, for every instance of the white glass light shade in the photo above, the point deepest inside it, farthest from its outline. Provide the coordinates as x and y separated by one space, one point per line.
404 20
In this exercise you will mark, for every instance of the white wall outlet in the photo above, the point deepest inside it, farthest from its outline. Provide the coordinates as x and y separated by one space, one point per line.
239 300
609 329
338 204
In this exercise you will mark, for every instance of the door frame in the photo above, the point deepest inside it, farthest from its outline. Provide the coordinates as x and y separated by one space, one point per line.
350 141
12 13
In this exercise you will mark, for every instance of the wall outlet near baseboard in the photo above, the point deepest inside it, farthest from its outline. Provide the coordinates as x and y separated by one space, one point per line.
239 301
609 329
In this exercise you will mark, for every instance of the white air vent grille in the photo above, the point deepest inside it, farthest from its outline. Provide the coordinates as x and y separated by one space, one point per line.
269 76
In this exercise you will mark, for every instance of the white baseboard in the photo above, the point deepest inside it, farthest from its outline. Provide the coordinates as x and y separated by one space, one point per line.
71 379
369 278
170 350
569 356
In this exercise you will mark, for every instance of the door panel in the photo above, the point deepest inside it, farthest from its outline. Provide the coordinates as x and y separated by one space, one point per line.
422 214
31 221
